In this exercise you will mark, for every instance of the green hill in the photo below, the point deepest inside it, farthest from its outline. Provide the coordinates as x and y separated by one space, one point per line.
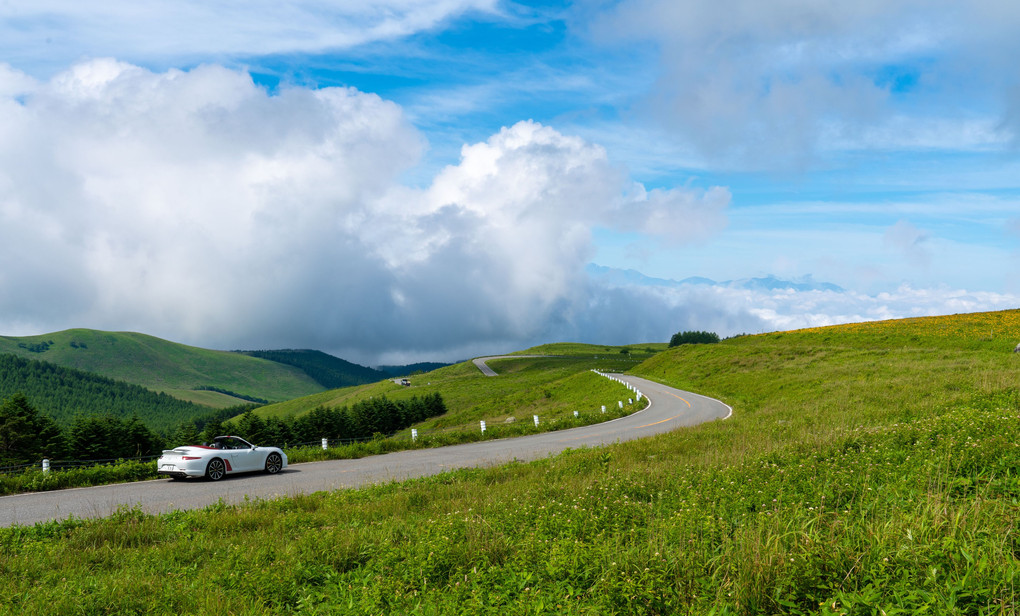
329 371
551 386
62 393
867 469
189 373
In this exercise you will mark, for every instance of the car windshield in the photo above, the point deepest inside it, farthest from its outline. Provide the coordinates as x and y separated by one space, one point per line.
231 443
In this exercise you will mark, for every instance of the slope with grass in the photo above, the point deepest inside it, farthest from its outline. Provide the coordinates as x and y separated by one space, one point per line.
329 371
868 469
552 386
182 371
63 394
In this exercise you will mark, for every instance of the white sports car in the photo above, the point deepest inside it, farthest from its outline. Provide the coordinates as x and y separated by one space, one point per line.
226 455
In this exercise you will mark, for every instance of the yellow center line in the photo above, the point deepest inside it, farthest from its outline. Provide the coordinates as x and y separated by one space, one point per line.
676 396
657 422
668 418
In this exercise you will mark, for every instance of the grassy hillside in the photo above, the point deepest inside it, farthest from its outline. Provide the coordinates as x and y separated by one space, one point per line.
552 386
329 371
868 469
176 369
63 393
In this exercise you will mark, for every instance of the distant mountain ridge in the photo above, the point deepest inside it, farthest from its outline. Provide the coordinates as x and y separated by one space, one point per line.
329 371
210 378
767 283
204 377
410 369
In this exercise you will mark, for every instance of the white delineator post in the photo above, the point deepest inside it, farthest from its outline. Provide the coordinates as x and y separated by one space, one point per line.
46 466
620 402
482 422
603 408
414 434
535 417
575 414
325 443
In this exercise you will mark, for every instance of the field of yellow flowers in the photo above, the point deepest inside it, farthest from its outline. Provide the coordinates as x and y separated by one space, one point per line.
869 469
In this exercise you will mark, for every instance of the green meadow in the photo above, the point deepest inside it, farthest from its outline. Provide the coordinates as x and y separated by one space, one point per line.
179 370
552 386
867 469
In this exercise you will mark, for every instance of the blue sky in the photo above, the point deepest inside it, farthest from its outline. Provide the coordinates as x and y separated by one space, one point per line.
416 180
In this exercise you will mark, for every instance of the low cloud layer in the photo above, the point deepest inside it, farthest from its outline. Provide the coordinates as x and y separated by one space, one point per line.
196 206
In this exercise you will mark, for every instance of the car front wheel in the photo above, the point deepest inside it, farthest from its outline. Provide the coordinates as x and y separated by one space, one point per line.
216 470
274 463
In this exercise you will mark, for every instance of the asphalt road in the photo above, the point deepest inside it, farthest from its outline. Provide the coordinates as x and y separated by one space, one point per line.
669 409
487 371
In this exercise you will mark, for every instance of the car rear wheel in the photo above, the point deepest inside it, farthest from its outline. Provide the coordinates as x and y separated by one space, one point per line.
274 463
216 470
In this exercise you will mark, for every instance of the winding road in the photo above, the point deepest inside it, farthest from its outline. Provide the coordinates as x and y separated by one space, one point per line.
668 410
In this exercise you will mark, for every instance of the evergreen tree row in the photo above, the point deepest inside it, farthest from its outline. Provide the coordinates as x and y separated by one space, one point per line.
360 421
325 369
28 436
693 337
65 393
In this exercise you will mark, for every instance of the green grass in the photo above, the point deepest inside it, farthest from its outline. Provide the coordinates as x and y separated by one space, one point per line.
548 386
866 470
165 366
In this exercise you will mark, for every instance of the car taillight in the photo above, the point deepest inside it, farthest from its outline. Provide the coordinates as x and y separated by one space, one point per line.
191 457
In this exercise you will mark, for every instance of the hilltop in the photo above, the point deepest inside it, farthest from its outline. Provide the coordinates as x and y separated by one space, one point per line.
211 378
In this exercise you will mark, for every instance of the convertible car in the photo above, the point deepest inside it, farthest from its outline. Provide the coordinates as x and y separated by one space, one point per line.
226 455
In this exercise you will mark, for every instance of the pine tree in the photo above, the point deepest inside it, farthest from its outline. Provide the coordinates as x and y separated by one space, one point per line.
27 436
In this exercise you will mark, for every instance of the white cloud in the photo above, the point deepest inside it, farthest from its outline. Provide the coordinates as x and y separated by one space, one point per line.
771 85
729 310
62 31
196 206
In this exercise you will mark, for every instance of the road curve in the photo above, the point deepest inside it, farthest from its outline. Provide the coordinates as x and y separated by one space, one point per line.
479 362
668 410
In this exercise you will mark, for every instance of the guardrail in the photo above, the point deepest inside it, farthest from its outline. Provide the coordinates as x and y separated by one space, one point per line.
414 434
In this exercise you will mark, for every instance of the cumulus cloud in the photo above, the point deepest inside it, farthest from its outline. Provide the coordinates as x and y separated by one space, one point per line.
196 206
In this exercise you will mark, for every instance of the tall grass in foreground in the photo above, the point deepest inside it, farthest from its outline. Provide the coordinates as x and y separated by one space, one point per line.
862 473
909 518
